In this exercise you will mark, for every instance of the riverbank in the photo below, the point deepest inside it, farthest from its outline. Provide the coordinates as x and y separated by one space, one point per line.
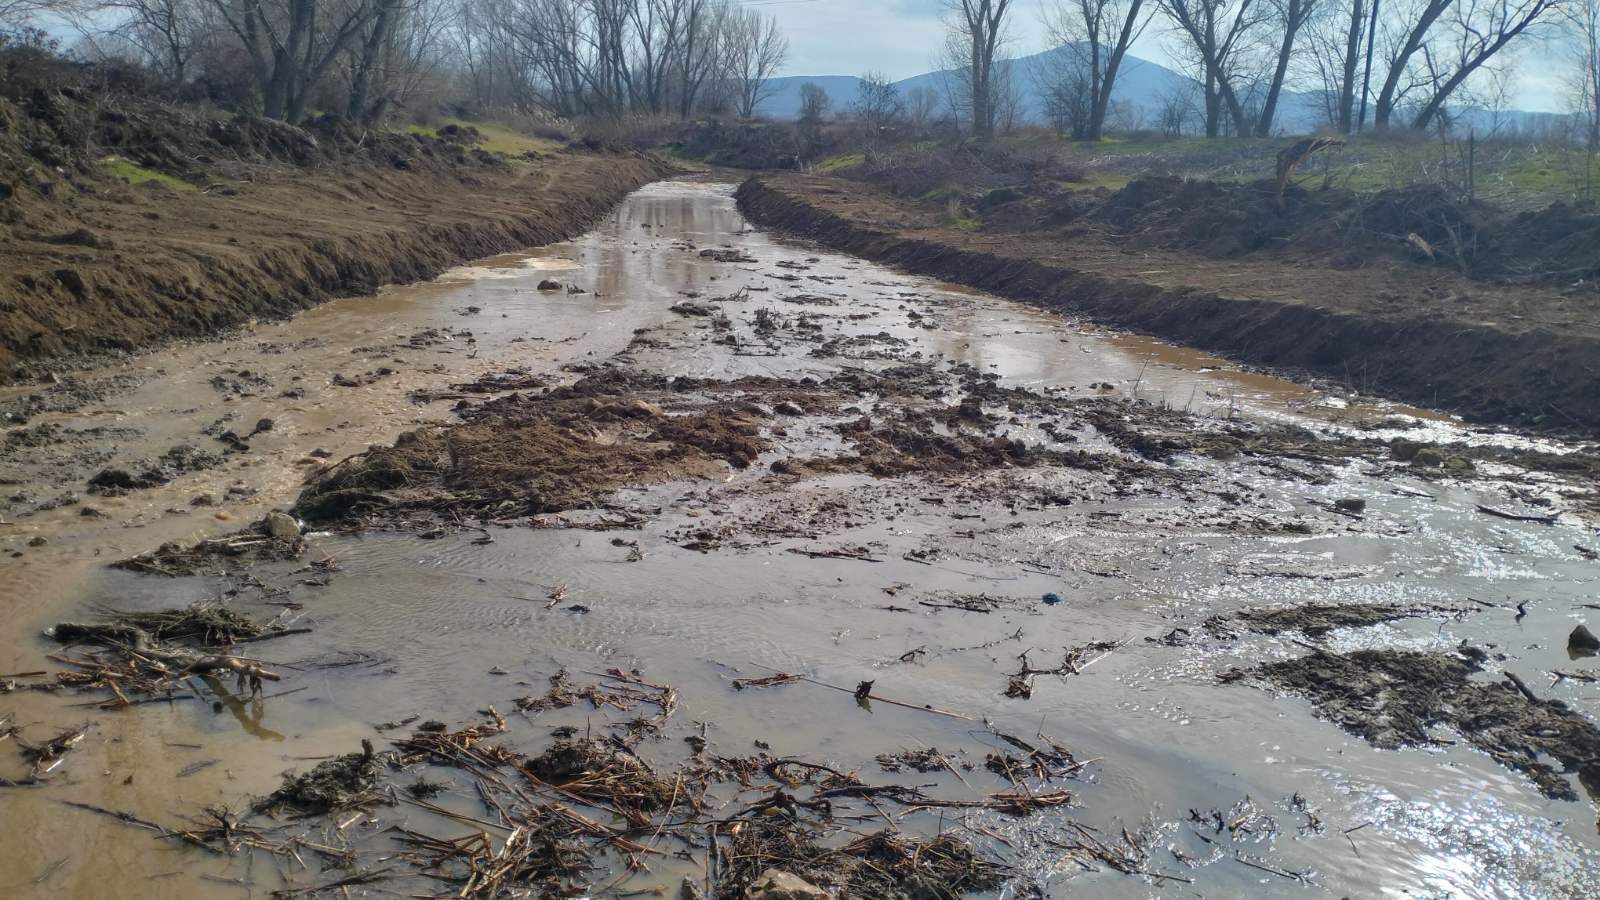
125 267
1495 353
126 220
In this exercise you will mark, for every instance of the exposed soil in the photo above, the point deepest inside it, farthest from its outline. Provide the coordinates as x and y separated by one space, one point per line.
1396 698
524 455
571 447
1410 331
1558 246
279 218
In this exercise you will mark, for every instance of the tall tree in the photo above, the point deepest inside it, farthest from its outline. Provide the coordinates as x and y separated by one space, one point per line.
1482 29
1216 32
1094 37
976 34
1330 63
1289 17
1454 40
292 44
756 50
1583 34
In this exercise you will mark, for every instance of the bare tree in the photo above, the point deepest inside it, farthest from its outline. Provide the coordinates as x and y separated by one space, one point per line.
922 105
756 50
1095 36
1289 17
1482 29
814 104
976 35
293 43
1067 96
17 13
395 56
1175 108
161 34
1437 45
1215 33
1335 35
704 30
878 102
1583 38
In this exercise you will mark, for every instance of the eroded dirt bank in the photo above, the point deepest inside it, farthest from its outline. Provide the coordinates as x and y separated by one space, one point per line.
242 218
1527 355
681 560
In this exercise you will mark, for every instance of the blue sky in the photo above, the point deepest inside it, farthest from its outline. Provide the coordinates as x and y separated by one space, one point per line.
901 38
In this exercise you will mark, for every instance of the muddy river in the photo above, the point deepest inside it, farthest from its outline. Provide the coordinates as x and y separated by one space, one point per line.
1058 600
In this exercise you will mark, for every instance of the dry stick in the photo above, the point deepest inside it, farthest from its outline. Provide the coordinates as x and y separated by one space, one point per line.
924 708
1293 876
132 819
358 878
272 635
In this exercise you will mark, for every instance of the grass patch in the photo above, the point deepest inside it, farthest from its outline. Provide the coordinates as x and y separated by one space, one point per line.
839 163
496 138
135 174
1114 181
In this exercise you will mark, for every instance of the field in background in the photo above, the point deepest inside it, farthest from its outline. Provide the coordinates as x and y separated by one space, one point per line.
1511 172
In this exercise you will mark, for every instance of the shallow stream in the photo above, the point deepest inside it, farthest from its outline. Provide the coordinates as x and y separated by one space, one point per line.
443 628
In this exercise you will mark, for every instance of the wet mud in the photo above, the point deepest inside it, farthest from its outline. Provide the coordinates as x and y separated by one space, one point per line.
976 601
1420 334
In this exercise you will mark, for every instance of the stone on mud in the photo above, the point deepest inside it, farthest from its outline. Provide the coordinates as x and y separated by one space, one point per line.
281 527
775 884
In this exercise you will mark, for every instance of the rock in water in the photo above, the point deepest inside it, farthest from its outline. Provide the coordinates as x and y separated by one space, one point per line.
1583 642
281 527
778 885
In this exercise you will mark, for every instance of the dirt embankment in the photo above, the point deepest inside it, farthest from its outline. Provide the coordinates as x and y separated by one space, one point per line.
234 218
1526 355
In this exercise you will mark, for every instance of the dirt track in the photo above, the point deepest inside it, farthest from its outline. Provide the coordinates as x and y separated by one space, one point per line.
1493 353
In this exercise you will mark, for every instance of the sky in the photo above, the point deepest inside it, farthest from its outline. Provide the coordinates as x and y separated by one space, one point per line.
901 38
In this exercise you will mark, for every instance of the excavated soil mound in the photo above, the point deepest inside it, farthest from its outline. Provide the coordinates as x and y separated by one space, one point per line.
234 218
1558 245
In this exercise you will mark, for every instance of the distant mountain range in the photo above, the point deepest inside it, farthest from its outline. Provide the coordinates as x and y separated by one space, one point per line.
1140 82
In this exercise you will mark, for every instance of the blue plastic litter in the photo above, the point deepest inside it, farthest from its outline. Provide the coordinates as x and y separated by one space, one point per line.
1052 599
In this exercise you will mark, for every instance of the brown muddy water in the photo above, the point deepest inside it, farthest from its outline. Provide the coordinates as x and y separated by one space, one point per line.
444 628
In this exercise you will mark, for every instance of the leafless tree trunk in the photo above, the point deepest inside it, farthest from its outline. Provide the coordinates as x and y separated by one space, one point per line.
290 49
1290 16
756 50
976 36
1216 31
1583 32
1099 33
922 106
1482 29
703 36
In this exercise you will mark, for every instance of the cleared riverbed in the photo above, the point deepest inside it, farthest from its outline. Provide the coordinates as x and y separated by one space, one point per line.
918 570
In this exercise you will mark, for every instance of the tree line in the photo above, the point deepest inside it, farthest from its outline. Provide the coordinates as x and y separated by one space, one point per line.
1379 64
366 58
1382 64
